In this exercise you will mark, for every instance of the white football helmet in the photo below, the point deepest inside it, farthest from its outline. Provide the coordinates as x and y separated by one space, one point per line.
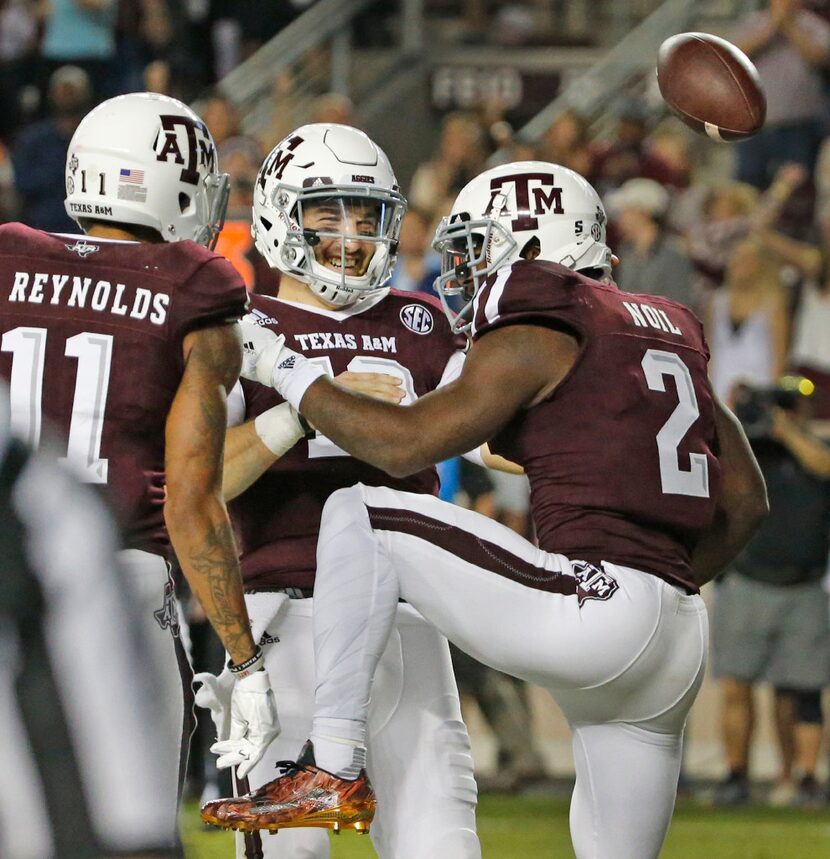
146 159
339 170
523 210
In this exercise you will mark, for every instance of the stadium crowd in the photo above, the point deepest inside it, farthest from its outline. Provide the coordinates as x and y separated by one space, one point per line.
750 252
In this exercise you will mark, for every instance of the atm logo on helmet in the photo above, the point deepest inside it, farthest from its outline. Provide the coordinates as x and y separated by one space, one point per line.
180 135
535 195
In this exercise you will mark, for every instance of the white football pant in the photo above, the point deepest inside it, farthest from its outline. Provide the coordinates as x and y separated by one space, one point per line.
622 652
419 751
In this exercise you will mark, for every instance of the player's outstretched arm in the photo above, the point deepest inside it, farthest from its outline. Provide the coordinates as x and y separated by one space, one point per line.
508 369
195 511
253 447
742 504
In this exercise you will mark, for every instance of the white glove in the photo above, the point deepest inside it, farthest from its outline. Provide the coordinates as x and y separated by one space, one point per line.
267 360
260 350
254 723
215 694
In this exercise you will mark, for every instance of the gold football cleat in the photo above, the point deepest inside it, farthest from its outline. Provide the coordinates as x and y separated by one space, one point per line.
304 795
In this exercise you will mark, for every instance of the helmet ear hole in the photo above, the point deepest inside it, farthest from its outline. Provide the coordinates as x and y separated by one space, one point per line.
532 249
184 202
265 223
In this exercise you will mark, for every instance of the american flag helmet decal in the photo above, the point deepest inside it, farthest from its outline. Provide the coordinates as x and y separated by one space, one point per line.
135 177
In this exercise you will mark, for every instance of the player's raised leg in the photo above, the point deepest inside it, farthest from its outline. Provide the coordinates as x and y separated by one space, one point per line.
460 571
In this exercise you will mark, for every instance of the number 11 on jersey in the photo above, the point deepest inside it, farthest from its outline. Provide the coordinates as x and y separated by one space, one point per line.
86 426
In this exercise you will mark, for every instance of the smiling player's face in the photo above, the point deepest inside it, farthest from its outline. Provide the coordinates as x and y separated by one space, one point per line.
335 218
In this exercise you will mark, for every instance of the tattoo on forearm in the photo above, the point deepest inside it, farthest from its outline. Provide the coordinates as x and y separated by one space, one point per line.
197 434
216 565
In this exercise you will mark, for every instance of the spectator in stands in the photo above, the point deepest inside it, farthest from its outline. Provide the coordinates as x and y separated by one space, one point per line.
810 352
514 25
567 142
790 47
621 158
810 348
238 30
39 153
8 197
748 321
666 157
144 32
221 118
651 260
240 157
332 107
18 46
286 109
770 619
727 221
417 265
156 77
460 156
82 33
733 210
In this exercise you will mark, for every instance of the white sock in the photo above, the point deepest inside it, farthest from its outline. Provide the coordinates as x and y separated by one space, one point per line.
339 746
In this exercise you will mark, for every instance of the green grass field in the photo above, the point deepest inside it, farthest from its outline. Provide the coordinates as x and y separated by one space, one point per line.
534 827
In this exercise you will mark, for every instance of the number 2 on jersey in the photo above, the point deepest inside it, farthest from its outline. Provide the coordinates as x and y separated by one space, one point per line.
658 364
94 355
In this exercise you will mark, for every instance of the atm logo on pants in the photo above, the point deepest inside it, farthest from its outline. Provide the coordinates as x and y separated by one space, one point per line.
594 583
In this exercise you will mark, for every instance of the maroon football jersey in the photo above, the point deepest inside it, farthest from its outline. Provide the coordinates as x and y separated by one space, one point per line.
621 457
278 517
92 345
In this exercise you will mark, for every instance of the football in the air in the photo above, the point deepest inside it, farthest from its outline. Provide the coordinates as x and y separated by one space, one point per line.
711 85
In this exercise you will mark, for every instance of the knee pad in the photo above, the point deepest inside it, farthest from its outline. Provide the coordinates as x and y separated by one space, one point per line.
458 775
808 706
806 703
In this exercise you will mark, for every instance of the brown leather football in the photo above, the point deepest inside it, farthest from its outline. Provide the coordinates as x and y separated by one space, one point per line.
711 85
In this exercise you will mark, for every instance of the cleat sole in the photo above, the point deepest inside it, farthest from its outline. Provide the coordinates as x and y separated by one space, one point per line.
357 818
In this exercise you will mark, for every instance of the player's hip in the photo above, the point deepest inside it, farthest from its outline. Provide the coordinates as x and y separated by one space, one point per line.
656 656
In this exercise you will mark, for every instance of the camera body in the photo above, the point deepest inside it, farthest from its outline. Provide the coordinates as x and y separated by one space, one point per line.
754 405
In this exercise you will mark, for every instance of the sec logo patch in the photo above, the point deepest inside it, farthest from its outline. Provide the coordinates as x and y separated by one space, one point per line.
417 318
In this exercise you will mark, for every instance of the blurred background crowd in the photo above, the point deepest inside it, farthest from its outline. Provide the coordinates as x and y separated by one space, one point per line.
740 233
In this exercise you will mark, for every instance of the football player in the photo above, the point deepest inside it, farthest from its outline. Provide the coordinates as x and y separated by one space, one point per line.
327 213
125 341
643 487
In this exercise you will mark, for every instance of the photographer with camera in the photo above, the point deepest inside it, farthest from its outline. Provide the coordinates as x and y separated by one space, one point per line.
771 614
